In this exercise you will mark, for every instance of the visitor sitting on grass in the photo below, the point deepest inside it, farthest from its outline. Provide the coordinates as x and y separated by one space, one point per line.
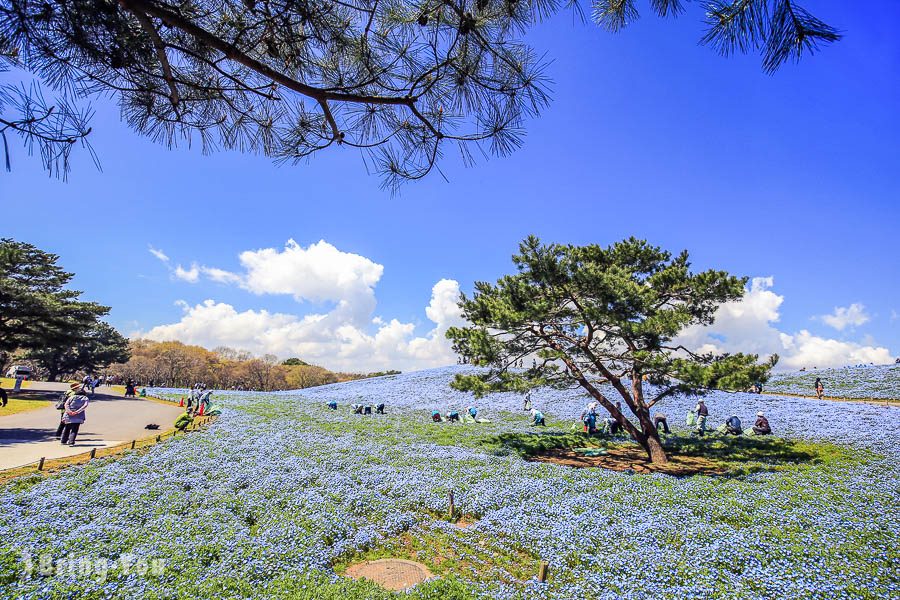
184 419
761 427
537 418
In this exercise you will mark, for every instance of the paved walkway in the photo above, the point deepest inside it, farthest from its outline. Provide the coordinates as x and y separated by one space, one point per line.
111 419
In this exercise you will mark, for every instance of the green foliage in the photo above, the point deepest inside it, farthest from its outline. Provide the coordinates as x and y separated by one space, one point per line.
294 362
36 311
399 81
97 348
594 315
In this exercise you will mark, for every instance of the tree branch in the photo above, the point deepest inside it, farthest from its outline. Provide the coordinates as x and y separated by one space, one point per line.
150 30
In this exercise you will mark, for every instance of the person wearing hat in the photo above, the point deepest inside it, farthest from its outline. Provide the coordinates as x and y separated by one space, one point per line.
73 416
184 419
537 418
761 427
61 406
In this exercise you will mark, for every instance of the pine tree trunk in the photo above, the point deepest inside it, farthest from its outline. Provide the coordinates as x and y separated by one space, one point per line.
651 442
656 451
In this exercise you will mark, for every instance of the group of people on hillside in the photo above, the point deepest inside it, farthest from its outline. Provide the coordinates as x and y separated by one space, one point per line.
362 409
470 415
594 424
199 397
732 424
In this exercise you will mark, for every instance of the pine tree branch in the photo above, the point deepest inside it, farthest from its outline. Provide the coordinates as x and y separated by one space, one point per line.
150 30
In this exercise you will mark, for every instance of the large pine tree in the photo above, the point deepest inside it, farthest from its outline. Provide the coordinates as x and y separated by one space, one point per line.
601 318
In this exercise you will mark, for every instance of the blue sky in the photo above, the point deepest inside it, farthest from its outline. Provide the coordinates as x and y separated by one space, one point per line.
793 177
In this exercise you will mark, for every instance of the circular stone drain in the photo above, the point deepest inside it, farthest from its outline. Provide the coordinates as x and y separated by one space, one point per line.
390 573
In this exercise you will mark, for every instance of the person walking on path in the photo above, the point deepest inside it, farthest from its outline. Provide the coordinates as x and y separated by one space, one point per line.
73 417
820 389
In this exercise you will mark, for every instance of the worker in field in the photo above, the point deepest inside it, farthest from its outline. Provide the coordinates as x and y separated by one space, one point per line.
184 419
702 414
589 418
733 425
537 418
661 420
762 427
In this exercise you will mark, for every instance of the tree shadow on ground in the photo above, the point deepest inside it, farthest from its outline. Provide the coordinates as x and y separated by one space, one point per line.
712 454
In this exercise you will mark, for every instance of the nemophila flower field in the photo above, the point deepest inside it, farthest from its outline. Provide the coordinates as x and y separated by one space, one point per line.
865 381
280 493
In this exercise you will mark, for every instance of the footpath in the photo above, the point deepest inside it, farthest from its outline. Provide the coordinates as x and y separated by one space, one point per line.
111 420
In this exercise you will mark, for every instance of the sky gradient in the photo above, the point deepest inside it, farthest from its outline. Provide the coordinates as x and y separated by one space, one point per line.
793 179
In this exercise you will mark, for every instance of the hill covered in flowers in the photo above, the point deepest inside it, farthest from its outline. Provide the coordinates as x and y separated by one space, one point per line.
862 381
275 498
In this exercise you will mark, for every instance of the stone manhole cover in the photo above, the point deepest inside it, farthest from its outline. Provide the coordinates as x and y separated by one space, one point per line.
391 573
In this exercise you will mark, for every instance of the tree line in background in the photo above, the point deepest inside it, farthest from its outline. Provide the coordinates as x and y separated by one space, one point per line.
174 364
46 325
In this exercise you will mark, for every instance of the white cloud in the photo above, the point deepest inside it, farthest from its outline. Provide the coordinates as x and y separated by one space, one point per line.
220 275
747 326
190 275
842 317
158 254
328 339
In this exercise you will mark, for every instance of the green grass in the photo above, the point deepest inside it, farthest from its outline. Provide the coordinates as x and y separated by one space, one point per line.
737 455
16 406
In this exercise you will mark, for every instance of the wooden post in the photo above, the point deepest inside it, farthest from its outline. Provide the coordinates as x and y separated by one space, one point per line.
452 505
542 571
132 444
93 453
41 464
